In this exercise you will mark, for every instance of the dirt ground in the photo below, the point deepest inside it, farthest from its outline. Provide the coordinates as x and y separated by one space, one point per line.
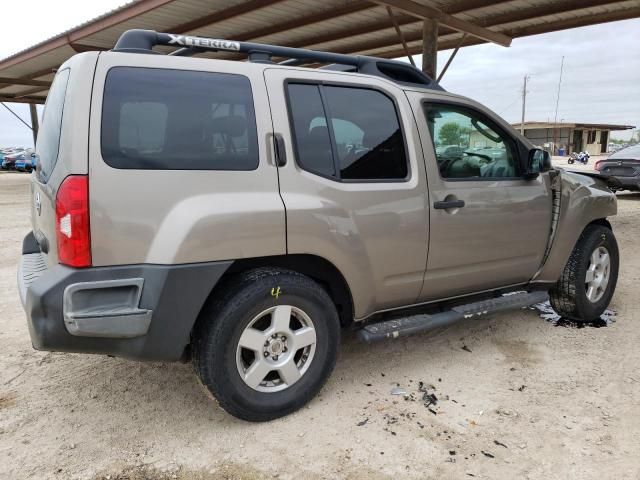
517 398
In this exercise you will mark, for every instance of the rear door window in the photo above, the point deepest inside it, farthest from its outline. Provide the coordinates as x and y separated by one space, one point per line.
362 141
49 133
164 119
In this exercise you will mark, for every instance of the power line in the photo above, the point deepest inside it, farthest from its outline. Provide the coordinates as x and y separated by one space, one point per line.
510 105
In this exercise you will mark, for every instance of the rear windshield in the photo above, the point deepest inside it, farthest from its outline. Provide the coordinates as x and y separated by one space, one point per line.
49 133
178 120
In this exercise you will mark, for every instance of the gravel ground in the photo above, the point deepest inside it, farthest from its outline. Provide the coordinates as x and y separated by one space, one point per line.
517 398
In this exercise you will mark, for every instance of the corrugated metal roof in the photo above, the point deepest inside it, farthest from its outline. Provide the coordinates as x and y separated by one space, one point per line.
344 26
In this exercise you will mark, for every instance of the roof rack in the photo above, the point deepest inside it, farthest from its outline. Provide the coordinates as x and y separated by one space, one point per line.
143 41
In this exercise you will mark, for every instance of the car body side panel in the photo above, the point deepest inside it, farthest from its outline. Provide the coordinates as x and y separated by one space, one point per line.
497 239
583 200
374 232
184 216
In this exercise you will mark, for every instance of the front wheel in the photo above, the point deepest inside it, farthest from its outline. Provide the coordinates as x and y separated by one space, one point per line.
267 343
589 279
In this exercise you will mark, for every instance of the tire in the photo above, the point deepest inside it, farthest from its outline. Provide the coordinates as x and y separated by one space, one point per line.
572 297
239 307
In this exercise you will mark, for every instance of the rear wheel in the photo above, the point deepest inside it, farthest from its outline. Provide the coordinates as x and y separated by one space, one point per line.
265 346
589 278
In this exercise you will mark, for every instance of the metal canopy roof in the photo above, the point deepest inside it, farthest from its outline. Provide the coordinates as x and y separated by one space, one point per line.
341 26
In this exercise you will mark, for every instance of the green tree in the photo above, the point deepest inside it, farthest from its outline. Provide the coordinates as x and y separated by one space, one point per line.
450 134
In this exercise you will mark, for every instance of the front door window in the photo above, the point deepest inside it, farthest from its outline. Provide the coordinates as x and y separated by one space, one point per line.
467 147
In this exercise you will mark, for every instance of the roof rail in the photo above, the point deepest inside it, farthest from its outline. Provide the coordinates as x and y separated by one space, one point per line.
143 41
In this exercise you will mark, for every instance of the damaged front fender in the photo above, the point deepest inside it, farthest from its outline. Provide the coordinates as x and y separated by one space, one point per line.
584 198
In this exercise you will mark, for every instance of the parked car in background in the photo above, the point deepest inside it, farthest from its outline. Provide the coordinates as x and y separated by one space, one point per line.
624 166
25 163
4 153
9 161
450 151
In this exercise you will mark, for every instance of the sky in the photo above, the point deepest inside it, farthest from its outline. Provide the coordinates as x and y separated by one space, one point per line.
600 79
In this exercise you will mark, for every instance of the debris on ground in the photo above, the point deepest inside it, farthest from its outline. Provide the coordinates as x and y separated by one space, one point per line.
399 391
546 312
429 398
521 388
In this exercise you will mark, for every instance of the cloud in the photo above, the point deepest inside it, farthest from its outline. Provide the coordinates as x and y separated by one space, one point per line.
600 80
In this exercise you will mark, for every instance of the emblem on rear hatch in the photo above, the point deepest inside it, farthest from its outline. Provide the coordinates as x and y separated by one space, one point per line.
37 203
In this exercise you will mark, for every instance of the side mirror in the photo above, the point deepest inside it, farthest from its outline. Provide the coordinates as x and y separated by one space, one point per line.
539 162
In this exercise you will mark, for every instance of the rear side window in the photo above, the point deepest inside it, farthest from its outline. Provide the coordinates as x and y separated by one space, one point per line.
310 126
164 119
347 133
49 133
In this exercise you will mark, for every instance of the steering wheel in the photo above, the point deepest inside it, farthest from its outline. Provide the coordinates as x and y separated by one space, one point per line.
475 154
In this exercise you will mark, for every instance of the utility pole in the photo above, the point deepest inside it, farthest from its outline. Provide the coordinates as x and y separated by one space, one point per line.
524 101
555 117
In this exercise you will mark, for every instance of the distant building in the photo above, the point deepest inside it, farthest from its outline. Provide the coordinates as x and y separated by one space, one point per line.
565 138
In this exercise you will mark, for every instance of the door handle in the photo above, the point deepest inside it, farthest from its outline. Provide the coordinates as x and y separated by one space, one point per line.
281 153
448 204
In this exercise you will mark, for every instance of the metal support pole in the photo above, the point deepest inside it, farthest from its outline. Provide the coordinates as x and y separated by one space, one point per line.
430 47
35 126
15 115
400 35
453 55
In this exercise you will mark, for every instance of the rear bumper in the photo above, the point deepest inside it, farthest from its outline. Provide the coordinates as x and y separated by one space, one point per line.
143 312
632 183
629 182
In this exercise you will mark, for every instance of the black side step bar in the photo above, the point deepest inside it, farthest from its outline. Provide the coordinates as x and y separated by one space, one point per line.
402 327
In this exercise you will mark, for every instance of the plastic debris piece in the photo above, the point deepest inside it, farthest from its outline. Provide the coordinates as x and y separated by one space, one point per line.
398 391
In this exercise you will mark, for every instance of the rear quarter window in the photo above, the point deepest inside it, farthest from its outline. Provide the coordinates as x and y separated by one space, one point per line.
165 119
49 134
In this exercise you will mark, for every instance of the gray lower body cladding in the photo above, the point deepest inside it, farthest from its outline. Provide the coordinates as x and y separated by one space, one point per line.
171 295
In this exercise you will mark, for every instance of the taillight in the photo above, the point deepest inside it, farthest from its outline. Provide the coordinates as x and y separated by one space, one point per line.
72 222
597 165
